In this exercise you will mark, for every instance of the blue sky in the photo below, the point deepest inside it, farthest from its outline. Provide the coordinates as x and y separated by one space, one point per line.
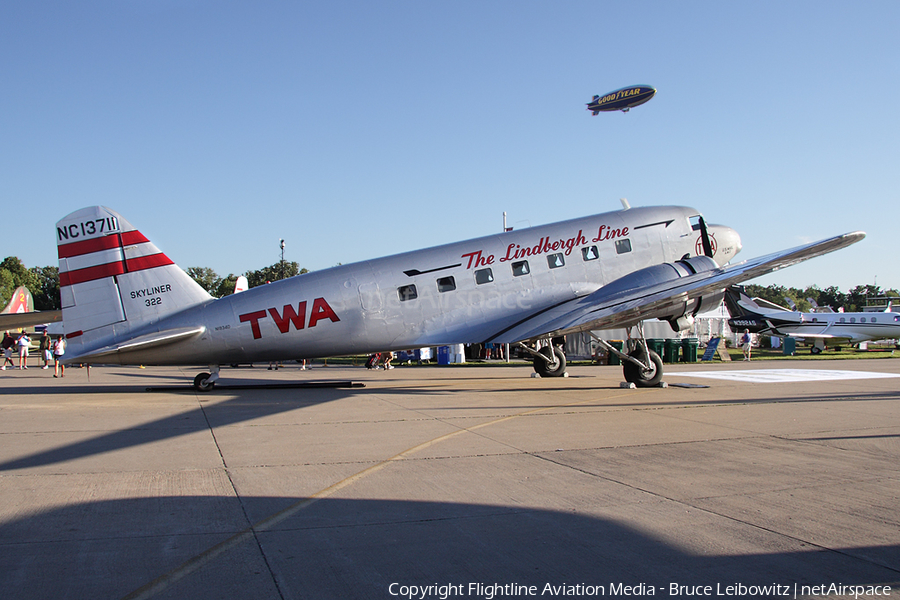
360 129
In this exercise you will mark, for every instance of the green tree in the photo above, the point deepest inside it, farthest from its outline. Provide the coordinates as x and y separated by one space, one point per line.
226 286
273 273
205 278
13 274
46 294
833 297
856 298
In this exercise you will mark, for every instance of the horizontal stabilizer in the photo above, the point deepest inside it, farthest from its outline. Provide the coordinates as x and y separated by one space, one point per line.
143 342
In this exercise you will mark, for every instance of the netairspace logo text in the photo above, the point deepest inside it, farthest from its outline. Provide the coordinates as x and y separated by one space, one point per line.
490 591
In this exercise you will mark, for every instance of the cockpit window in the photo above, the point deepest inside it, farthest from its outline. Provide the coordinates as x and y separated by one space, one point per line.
695 222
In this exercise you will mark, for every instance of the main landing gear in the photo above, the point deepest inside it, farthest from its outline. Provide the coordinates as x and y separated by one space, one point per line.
642 366
549 360
205 382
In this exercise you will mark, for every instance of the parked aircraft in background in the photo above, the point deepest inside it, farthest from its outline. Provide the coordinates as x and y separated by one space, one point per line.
20 312
126 302
823 327
624 99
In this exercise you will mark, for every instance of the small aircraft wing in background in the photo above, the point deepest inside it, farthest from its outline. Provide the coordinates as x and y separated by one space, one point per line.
20 312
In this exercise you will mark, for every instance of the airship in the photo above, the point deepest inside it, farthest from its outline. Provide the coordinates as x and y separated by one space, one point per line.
623 99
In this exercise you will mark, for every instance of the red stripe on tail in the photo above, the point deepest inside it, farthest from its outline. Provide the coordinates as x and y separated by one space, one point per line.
101 243
140 263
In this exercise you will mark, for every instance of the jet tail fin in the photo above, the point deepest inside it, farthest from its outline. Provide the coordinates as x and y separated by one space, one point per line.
113 279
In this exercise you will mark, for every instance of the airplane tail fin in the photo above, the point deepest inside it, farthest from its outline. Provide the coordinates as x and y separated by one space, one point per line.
738 303
21 302
113 279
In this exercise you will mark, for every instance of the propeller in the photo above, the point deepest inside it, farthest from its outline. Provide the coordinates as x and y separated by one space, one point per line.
704 238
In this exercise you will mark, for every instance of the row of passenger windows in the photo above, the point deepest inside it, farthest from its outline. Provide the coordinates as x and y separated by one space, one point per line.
853 320
519 268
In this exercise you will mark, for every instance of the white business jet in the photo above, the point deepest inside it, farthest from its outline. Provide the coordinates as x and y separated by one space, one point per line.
823 327
126 302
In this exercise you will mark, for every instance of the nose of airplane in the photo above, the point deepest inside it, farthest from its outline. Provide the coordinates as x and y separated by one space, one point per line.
725 241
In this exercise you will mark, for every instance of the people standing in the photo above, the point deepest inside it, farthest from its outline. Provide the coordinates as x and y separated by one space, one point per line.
59 349
7 346
22 342
745 344
46 354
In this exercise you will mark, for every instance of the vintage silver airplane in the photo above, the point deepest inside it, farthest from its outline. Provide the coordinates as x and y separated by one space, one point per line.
822 327
126 302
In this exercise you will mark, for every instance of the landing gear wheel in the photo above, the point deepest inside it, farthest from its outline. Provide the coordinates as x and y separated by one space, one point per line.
555 368
202 383
643 377
815 350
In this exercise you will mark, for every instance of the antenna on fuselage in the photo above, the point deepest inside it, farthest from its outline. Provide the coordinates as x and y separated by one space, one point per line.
625 205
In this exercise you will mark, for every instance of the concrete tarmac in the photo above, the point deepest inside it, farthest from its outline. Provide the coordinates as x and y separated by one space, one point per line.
480 482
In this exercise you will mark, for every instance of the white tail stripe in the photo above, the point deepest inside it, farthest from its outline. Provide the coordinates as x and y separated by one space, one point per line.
103 257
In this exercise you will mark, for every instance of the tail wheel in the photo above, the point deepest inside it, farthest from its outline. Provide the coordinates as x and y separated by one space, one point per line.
555 367
202 383
643 377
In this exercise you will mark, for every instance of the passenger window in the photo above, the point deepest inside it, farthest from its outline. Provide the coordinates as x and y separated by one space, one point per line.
863 320
853 319
843 320
520 268
896 319
556 261
590 253
623 246
446 284
484 276
872 319
407 292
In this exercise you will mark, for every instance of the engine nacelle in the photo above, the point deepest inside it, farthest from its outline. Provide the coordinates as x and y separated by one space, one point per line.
680 315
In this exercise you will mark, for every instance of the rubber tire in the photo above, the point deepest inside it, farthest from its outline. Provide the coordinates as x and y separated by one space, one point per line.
634 374
815 350
201 385
545 369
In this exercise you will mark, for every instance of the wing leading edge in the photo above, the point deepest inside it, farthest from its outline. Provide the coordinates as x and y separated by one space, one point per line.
623 308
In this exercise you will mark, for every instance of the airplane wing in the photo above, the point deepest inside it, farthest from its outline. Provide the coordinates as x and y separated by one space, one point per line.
27 319
623 308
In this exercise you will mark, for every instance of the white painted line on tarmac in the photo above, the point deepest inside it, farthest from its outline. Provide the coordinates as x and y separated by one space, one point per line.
783 375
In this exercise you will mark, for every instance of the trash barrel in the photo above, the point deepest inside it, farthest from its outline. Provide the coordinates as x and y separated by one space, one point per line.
689 349
670 354
443 356
656 345
790 346
613 359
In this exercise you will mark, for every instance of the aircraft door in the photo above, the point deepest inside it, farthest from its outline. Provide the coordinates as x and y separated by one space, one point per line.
370 297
